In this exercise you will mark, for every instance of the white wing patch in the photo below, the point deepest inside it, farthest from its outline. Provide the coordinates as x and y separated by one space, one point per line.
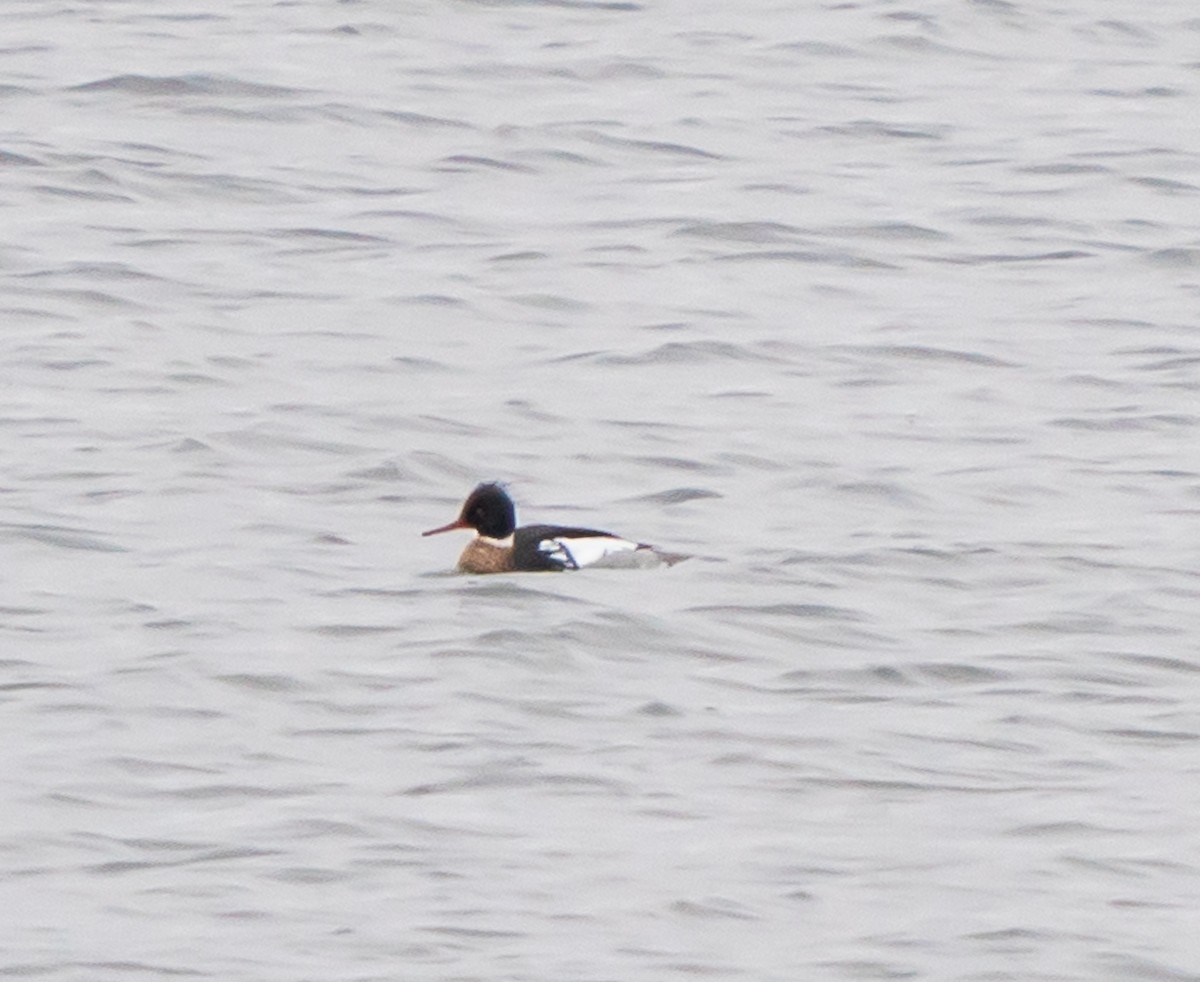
597 550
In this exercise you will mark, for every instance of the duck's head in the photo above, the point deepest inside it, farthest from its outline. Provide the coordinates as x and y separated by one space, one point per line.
488 510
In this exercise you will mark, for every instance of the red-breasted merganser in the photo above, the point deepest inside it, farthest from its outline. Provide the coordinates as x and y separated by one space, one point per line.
501 547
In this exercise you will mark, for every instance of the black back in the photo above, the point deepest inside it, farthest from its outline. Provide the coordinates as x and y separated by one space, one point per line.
527 555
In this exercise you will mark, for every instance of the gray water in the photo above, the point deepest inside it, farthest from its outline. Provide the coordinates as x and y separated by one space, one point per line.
887 313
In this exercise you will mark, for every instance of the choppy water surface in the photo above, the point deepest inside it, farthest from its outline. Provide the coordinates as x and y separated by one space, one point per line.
887 313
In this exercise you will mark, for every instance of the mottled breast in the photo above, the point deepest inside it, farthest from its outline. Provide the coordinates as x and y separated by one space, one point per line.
485 555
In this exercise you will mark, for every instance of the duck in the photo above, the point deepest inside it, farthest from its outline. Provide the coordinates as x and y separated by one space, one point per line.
500 547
